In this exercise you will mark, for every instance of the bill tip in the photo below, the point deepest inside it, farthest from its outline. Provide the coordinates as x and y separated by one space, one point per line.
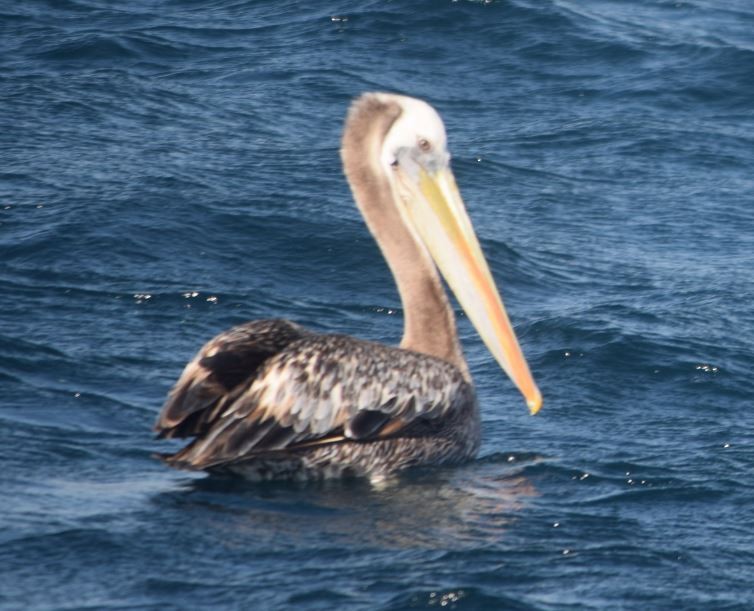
535 403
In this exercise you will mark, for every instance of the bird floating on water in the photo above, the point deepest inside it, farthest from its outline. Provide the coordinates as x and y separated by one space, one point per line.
269 399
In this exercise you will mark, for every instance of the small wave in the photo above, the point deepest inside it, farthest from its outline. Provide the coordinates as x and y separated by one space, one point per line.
649 495
94 47
517 459
458 598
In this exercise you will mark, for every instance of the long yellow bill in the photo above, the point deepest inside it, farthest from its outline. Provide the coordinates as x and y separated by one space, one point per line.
439 217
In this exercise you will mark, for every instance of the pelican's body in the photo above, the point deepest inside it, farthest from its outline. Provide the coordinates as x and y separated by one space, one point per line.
269 399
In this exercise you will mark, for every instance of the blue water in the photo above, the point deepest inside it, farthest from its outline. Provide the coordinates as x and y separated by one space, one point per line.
170 168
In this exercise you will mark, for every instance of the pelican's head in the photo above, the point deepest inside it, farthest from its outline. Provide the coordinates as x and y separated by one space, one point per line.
415 158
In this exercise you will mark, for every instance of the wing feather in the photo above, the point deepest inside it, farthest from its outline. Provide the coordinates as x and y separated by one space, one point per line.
324 389
218 374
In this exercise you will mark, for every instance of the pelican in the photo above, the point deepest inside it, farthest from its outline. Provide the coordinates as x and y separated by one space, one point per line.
269 399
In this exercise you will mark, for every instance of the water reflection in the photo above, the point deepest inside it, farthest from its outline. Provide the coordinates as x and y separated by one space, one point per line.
459 508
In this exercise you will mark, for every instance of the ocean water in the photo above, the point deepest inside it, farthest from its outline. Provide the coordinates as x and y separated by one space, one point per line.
169 168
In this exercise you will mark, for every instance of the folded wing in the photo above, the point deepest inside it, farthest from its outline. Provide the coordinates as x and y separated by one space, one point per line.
288 390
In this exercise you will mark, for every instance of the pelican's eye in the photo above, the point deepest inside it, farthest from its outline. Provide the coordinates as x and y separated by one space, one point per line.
424 145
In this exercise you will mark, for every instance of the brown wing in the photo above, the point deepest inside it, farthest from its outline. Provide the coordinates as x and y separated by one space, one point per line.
325 389
221 370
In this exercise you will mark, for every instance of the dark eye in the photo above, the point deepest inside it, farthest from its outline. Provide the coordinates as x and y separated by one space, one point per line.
394 162
424 144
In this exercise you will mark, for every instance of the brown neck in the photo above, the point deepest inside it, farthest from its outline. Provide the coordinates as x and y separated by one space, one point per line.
430 325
